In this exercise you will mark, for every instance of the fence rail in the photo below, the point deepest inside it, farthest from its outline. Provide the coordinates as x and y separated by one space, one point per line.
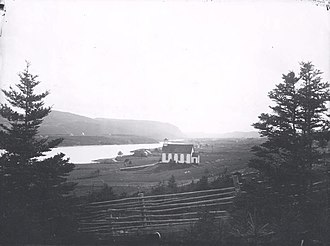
163 213
150 213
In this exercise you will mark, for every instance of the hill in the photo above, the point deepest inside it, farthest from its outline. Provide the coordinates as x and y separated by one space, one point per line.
64 123
153 129
236 134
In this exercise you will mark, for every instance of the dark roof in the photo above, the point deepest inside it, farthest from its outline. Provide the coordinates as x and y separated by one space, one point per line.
195 154
178 148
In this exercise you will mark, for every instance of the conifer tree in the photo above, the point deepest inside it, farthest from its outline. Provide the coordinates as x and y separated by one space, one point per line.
32 186
295 129
290 158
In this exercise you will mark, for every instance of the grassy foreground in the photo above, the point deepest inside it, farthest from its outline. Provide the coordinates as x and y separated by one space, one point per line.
217 156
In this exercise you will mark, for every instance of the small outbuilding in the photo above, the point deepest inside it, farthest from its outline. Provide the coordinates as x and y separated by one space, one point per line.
179 153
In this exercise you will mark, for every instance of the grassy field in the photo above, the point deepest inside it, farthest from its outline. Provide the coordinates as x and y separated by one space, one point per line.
216 156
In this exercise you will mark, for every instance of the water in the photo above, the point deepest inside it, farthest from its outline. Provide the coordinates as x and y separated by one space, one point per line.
87 154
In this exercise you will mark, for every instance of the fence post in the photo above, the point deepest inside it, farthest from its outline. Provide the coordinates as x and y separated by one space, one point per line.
236 184
143 207
112 229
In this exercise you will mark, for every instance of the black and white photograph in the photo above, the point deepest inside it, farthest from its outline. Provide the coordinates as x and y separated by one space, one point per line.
163 122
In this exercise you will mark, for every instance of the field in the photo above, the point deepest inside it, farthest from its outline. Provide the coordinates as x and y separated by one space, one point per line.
217 156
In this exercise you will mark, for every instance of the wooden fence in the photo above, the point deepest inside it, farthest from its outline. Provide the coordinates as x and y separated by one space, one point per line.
147 214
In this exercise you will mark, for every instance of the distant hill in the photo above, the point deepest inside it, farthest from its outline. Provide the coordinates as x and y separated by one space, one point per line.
250 134
236 134
63 123
115 131
154 129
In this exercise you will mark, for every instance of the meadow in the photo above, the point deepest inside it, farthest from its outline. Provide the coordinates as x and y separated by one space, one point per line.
217 156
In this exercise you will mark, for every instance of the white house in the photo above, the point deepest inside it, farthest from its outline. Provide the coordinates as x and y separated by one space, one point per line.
180 153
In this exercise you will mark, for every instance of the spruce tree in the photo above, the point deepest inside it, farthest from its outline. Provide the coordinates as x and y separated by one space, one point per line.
291 158
295 130
33 188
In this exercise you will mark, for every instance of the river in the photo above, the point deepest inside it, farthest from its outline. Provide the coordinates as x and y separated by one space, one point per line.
86 154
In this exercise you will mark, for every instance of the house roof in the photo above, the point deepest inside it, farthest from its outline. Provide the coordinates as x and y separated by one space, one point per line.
178 148
195 154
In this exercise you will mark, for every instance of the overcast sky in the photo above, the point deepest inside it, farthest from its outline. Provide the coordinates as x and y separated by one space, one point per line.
205 66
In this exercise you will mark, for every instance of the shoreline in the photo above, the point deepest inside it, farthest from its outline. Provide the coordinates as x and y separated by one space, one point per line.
103 144
94 154
72 141
89 145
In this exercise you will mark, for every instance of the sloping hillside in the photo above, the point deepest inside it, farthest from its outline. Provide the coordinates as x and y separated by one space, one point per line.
153 129
63 123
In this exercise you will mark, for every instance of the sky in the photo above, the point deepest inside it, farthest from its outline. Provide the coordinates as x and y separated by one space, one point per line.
204 66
